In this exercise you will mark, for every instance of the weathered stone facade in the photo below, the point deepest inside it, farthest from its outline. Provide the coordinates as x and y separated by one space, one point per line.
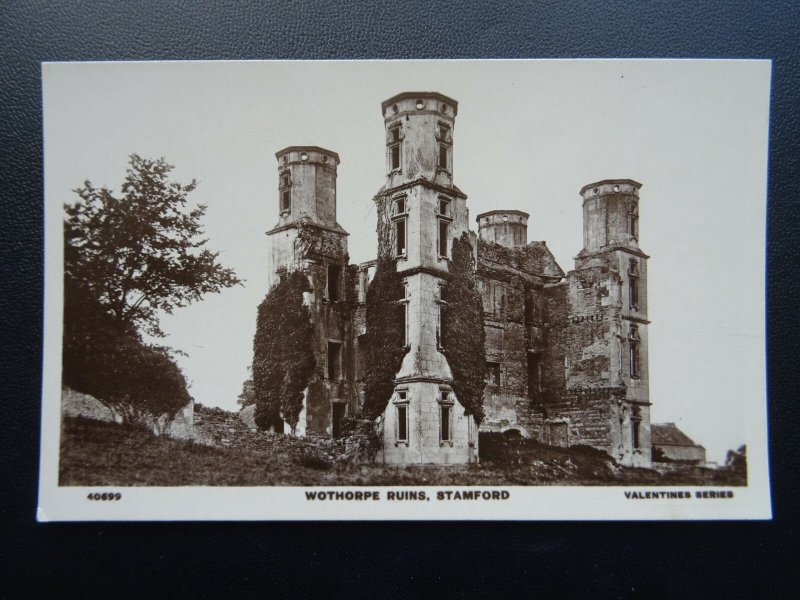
307 237
566 353
429 211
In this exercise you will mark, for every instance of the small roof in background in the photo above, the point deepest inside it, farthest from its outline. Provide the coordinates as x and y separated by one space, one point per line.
668 434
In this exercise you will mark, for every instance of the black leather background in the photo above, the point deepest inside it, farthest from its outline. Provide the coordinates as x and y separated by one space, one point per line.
391 559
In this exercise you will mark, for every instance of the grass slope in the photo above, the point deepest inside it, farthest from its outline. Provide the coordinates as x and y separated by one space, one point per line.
96 453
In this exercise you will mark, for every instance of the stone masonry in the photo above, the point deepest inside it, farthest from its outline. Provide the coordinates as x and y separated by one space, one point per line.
566 352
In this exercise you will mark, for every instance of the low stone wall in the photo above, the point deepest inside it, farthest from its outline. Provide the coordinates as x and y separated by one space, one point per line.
182 426
220 428
217 427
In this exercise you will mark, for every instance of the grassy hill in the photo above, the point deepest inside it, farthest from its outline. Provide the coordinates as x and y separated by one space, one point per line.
97 453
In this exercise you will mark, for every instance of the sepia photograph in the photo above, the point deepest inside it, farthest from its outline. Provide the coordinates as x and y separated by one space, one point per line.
388 290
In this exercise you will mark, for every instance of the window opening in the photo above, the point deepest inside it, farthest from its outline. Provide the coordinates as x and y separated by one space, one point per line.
633 283
338 410
285 192
633 359
493 373
400 235
636 420
334 360
394 146
534 374
497 299
633 224
404 315
402 422
444 227
334 282
443 135
440 308
445 430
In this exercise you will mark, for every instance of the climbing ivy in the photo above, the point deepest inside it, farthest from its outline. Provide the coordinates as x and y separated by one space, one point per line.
463 337
384 337
283 360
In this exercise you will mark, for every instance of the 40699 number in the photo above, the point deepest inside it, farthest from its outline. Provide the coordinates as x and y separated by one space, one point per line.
113 496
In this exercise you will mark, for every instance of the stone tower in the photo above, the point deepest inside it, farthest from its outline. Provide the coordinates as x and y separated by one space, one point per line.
308 237
306 197
423 213
608 326
508 228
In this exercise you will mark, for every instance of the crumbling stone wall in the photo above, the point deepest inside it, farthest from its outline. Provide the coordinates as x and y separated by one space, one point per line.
217 427
579 368
585 371
574 327
533 259
513 283
593 329
332 323
587 420
556 328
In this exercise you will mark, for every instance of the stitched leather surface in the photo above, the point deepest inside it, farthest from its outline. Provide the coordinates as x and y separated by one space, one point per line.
603 560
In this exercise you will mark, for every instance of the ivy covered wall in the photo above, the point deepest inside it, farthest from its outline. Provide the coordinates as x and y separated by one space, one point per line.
385 348
463 336
283 360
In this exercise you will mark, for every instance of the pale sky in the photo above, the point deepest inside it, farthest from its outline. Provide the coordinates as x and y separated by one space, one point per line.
528 136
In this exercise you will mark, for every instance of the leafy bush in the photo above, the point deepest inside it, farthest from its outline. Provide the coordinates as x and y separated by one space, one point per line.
146 386
127 258
139 382
736 461
659 456
248 395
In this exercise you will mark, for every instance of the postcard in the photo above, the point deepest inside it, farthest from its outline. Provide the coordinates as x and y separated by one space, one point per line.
405 290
